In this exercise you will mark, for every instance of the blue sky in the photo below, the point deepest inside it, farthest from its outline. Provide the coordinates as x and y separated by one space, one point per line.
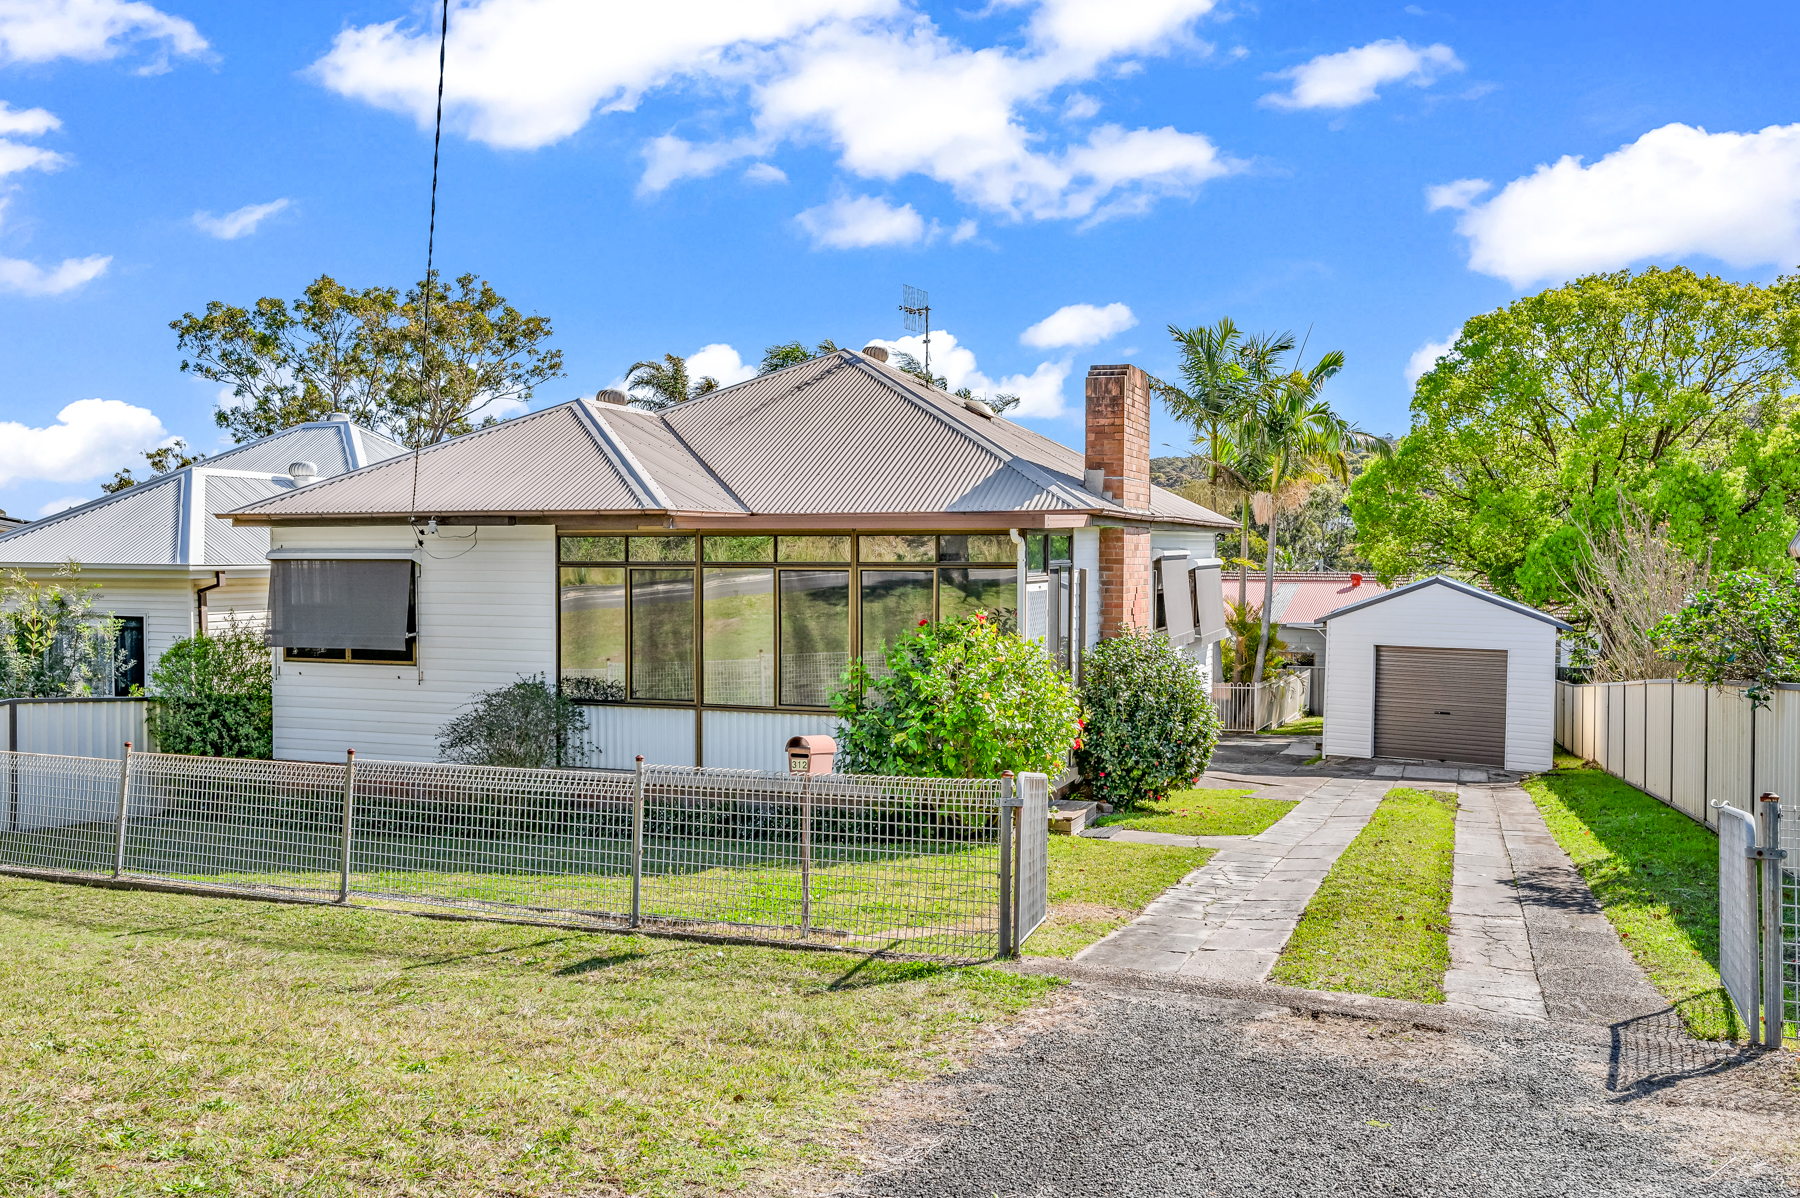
693 173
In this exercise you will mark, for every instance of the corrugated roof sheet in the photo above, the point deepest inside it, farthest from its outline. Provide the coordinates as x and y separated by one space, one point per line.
839 434
144 525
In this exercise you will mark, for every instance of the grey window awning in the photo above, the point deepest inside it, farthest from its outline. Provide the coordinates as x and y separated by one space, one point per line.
1209 603
336 604
1178 598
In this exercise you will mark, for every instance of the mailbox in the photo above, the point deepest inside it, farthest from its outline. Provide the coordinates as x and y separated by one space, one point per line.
811 754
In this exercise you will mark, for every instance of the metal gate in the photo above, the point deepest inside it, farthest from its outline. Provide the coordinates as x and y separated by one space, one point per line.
1740 955
1440 704
1031 884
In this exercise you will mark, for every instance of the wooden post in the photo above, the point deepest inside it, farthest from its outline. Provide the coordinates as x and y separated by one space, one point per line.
124 812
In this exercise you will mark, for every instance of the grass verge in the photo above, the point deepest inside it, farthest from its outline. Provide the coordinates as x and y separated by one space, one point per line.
1203 812
1098 885
1655 873
1380 922
1306 725
167 1044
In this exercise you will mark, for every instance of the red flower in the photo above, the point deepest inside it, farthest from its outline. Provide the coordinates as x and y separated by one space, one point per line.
922 623
1078 742
979 616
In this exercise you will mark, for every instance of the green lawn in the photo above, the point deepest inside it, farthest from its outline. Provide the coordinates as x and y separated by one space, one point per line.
1380 922
1098 885
167 1044
1203 812
1655 873
1306 725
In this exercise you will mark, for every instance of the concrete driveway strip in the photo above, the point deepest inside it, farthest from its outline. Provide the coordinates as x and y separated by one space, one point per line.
1230 918
1491 966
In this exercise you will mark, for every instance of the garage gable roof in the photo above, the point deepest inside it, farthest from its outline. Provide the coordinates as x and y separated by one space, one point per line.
1473 592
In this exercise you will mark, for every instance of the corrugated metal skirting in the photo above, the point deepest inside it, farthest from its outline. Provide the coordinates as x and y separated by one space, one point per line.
75 727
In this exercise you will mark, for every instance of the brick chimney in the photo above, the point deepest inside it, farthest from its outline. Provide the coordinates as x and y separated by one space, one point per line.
1118 468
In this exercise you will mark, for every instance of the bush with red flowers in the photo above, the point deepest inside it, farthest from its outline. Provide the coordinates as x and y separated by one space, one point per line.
1149 726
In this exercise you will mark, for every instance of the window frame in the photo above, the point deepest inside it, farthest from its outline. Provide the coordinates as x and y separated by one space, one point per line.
346 657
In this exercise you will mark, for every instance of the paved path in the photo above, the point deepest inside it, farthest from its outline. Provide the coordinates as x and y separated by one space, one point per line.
1229 918
1491 967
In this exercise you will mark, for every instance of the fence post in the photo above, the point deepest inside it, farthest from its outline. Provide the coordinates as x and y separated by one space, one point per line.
637 842
349 818
806 856
1008 809
124 812
1774 1008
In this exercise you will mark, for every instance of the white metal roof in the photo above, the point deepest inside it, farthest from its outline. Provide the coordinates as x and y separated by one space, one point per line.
1438 580
168 520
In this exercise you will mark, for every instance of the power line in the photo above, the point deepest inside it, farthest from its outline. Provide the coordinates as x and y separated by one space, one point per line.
437 138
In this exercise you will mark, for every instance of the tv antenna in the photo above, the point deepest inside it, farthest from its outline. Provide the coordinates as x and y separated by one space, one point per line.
916 305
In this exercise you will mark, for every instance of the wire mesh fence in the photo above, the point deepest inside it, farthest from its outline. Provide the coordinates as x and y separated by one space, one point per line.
873 863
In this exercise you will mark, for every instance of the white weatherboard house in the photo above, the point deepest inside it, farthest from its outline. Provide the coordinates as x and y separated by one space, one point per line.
701 577
1442 671
162 561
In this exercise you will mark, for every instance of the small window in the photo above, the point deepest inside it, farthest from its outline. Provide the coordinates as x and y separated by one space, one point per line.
593 549
128 654
406 656
358 610
815 549
661 549
1035 553
1062 548
815 635
739 549
962 593
904 548
978 547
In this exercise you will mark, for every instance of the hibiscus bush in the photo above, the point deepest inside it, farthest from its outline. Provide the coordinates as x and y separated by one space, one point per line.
1149 724
965 699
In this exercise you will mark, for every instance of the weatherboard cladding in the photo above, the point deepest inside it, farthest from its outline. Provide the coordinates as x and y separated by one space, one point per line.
838 434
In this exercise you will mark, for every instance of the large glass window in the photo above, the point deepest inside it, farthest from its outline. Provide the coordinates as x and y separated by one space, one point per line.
592 601
662 634
894 604
978 547
962 593
737 631
815 635
661 549
739 549
903 548
815 549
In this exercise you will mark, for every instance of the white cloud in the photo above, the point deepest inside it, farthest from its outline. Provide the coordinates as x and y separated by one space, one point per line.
964 231
1079 324
1425 357
241 223
875 79
1458 194
91 30
1350 77
765 172
1675 192
1040 392
17 274
91 438
858 222
28 122
61 505
28 278
721 362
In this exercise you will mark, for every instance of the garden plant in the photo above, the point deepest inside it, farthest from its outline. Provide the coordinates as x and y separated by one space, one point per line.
214 695
527 725
1149 724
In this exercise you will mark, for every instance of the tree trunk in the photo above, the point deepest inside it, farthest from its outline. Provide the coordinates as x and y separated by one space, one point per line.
1262 646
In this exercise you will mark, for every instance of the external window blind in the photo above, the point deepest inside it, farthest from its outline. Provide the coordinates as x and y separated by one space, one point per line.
1209 602
1177 598
335 604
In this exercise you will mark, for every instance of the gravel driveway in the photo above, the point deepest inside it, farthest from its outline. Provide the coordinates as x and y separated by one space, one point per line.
1143 1092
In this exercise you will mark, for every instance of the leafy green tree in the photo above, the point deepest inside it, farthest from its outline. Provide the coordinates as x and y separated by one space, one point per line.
658 385
172 456
1670 390
371 355
963 699
792 353
215 695
1245 642
52 644
1148 724
1743 630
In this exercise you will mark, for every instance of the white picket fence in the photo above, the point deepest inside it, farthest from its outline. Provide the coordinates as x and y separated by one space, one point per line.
1685 744
1254 708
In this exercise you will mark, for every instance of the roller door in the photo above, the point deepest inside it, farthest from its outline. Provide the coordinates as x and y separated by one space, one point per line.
1441 704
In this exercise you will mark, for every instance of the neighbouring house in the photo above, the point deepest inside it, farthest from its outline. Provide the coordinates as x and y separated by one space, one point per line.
161 561
701 577
1442 671
1301 600
8 523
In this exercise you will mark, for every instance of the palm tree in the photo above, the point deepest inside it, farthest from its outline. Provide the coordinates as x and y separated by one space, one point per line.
792 353
658 385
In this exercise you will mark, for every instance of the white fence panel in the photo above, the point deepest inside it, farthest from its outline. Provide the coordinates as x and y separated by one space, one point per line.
1727 752
1659 739
1687 786
1739 943
75 727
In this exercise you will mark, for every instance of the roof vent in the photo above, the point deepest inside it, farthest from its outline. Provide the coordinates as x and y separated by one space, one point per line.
340 417
1355 579
613 395
302 472
979 408
879 353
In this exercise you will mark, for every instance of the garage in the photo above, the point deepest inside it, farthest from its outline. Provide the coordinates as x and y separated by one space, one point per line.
1440 670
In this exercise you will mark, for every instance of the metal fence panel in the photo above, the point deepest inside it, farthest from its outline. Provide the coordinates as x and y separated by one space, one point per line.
74 727
1687 786
1034 854
1740 943
1659 739
1634 763
1727 751
907 864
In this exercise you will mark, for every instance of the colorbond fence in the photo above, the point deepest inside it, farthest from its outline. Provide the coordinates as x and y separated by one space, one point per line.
952 868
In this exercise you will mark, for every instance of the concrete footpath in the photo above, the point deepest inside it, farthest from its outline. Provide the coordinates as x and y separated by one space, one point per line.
1491 967
1229 918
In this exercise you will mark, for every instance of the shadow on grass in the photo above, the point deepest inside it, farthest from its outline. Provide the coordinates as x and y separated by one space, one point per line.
492 952
875 970
1655 1051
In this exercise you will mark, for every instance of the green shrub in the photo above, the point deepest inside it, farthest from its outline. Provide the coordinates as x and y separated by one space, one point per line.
213 695
965 699
1149 725
1743 630
526 725
51 642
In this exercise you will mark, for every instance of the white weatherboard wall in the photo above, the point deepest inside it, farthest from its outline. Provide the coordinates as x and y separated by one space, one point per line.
1086 556
1440 617
487 615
